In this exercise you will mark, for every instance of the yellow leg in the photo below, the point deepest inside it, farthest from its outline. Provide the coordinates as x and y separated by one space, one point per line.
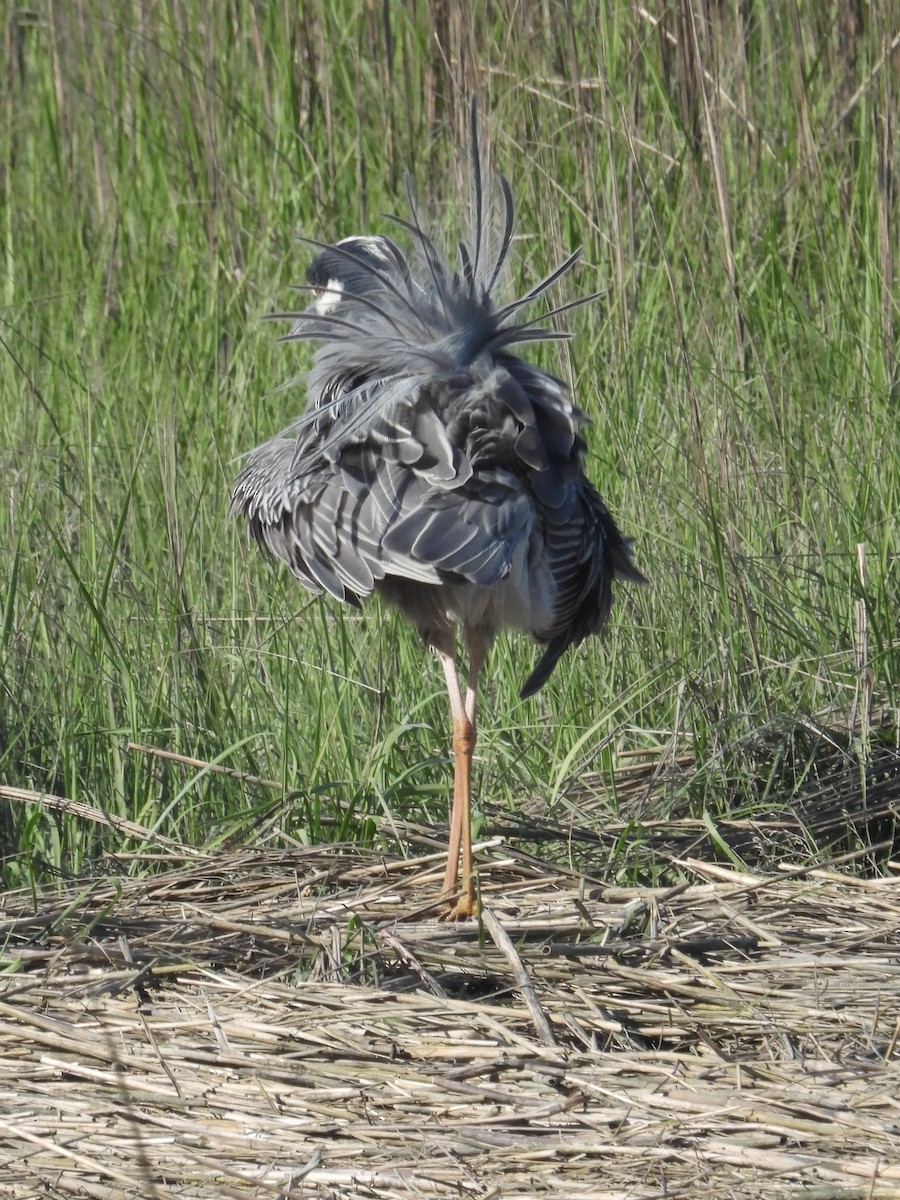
456 815
463 748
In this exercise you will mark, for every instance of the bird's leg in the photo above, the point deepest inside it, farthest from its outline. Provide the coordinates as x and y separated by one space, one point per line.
462 764
478 648
463 712
463 748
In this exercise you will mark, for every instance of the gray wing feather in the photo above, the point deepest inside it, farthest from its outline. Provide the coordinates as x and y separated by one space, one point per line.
429 451
402 502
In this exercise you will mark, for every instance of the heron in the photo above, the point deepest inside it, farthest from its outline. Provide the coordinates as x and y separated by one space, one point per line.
435 466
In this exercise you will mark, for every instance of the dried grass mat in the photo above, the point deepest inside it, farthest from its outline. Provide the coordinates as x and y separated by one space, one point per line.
298 1025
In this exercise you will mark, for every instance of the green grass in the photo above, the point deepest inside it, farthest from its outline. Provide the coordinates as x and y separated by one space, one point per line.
731 185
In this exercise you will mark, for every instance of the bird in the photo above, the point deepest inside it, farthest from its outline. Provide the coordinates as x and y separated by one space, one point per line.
435 466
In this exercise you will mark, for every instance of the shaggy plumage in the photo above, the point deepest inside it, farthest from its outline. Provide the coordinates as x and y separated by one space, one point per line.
433 465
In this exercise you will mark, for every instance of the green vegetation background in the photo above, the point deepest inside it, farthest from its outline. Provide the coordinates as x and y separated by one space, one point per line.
731 171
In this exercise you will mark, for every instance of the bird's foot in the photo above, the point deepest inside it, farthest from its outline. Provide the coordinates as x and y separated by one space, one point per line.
461 908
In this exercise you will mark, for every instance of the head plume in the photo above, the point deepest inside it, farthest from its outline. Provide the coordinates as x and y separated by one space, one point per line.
391 321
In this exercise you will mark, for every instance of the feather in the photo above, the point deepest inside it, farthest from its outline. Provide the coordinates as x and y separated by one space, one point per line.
432 464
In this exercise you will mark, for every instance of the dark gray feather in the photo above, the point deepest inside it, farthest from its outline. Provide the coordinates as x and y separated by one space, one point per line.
432 464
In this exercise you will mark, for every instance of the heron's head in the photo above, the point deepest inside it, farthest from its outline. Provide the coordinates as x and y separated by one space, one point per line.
356 266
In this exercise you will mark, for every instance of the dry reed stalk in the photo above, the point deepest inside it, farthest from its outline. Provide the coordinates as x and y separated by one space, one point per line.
274 1024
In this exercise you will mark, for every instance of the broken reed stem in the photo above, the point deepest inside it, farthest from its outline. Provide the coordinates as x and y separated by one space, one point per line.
502 941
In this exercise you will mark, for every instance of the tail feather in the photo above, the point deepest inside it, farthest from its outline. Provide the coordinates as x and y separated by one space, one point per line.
546 665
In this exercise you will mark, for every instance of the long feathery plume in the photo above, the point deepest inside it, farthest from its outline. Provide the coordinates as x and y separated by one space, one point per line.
466 261
560 310
477 185
514 336
426 245
539 288
509 210
383 278
307 322
323 320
